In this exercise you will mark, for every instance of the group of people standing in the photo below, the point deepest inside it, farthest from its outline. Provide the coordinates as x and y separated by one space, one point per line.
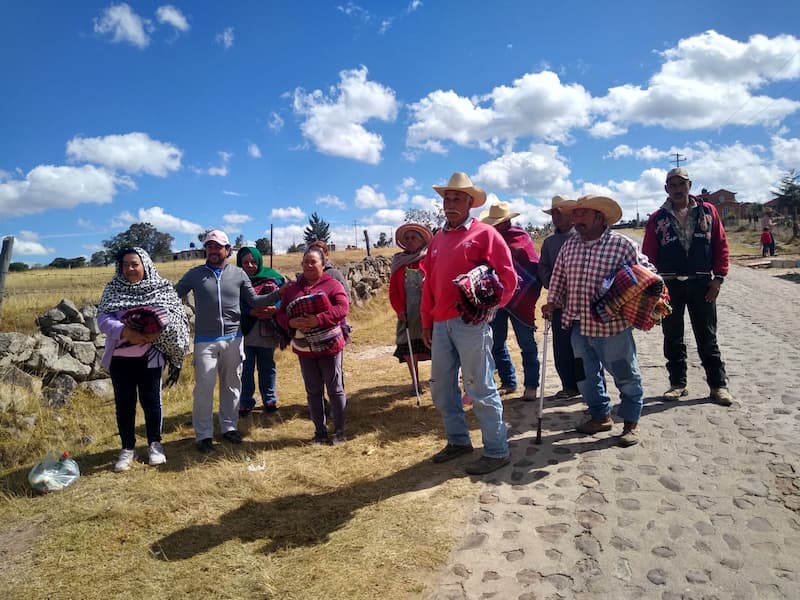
454 293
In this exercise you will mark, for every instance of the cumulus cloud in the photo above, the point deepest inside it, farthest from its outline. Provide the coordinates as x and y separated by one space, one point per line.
221 170
49 186
226 38
163 221
123 25
540 171
536 105
133 152
414 5
334 122
369 197
172 16
236 219
27 244
645 153
707 81
254 151
390 216
786 152
288 213
333 201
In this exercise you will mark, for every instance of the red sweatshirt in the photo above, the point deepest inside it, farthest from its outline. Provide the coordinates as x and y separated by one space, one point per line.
453 252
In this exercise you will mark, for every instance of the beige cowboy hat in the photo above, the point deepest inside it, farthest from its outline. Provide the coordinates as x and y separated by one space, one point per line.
608 206
560 203
461 182
498 213
425 233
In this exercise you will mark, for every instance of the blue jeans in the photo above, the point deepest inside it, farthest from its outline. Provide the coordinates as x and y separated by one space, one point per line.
457 345
617 355
527 346
563 357
263 359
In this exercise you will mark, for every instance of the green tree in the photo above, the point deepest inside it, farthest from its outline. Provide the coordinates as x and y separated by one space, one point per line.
789 191
296 248
202 236
383 240
239 241
264 246
18 267
143 235
68 263
317 229
432 218
101 258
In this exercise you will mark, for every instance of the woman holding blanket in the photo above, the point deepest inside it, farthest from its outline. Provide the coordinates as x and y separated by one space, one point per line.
405 293
313 310
261 334
145 326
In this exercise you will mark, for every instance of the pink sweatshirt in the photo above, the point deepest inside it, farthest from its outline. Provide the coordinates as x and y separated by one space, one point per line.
453 252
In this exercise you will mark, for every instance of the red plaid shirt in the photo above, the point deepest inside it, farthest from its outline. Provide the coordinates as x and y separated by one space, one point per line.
579 272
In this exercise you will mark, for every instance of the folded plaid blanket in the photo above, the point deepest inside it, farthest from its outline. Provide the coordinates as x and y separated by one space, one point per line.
481 291
634 293
146 319
320 341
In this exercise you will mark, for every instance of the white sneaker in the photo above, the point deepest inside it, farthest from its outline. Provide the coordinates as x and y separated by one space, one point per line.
125 460
156 453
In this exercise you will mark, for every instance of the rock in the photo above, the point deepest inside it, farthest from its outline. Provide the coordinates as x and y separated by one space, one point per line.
14 377
74 331
15 347
70 311
100 388
84 352
50 318
59 390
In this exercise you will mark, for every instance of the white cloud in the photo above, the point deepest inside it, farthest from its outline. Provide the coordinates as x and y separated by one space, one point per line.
289 213
124 25
49 186
236 218
647 153
391 216
541 171
369 197
226 38
122 220
161 220
283 237
426 202
408 183
222 169
332 201
334 123
254 151
133 152
229 193
414 5
385 25
27 244
85 223
275 122
786 152
172 16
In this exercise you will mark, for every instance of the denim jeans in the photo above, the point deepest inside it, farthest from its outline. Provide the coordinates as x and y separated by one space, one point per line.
263 360
563 357
458 345
617 355
690 295
527 346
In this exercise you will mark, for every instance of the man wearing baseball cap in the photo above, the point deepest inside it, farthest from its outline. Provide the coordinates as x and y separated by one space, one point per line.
582 266
686 241
218 342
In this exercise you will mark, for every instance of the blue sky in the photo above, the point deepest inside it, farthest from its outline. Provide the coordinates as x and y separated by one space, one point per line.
242 115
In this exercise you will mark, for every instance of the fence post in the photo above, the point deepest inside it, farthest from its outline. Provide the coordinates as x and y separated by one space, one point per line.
5 259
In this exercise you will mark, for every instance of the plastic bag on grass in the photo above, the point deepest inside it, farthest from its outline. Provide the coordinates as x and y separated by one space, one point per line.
54 472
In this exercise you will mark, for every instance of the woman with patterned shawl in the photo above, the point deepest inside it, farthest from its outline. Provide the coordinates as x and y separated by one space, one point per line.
137 348
405 293
261 334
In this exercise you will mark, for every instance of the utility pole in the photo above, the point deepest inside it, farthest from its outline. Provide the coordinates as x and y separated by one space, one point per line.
355 231
678 159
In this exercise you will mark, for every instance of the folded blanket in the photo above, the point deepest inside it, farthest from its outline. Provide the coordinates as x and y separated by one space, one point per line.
634 293
481 291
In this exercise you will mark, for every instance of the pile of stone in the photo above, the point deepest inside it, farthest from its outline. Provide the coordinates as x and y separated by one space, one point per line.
367 277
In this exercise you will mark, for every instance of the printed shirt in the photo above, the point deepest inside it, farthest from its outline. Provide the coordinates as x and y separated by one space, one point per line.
578 275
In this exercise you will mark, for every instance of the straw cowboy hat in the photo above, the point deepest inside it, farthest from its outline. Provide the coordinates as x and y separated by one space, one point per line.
498 213
425 233
462 183
560 203
610 209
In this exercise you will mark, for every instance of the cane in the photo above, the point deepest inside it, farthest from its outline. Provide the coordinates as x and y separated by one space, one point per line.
541 384
413 368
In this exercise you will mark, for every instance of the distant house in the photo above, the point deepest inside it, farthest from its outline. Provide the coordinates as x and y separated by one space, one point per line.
726 204
190 254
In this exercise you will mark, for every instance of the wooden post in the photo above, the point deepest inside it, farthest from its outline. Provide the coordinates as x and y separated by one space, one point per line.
5 259
366 239
271 247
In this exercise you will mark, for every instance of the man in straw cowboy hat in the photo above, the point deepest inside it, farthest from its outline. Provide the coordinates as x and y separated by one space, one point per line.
584 262
563 358
686 240
463 244
522 307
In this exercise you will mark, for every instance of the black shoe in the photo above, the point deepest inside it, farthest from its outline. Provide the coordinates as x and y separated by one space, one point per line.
232 436
243 412
205 445
321 440
486 464
450 452
271 407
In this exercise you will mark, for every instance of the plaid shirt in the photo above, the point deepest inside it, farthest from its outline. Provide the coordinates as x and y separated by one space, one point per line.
578 276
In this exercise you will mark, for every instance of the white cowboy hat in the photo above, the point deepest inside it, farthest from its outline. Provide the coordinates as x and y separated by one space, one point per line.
603 204
461 182
498 213
560 203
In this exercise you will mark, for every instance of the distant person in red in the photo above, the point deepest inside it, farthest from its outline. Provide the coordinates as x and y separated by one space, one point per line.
767 243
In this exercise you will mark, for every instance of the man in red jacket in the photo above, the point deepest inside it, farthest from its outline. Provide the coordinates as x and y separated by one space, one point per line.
686 242
463 244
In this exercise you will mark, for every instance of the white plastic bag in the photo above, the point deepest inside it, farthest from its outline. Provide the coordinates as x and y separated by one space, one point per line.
54 472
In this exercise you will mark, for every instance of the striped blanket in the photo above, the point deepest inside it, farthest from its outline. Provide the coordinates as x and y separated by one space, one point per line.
480 294
320 341
634 293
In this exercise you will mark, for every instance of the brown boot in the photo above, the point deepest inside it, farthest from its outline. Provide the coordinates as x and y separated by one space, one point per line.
593 426
630 434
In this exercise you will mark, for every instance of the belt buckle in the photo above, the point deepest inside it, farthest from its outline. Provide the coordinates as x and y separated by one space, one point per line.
682 277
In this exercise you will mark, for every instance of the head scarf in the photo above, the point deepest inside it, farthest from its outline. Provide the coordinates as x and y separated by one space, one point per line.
264 281
153 290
